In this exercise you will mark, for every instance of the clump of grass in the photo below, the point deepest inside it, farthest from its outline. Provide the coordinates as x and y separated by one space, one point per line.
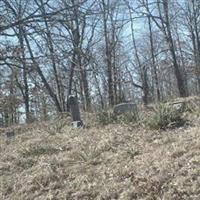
105 118
25 163
164 117
7 186
56 126
90 155
194 107
39 150
133 152
128 118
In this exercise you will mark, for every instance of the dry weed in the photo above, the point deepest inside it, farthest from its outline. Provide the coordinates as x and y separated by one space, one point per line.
110 162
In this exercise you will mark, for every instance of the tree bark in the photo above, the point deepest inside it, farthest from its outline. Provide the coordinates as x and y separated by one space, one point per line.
153 59
40 73
108 55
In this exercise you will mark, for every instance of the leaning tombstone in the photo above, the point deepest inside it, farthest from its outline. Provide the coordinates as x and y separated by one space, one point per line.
10 136
178 106
1 121
75 112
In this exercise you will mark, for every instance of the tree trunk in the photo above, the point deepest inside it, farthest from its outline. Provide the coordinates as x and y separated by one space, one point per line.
46 84
51 50
153 59
108 56
167 31
25 94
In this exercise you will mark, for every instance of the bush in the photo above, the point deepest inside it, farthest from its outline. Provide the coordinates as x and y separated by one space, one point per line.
25 163
56 126
39 150
127 118
105 118
165 116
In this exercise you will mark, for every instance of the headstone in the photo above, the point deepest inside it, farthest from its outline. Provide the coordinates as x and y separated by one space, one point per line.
1 121
10 134
125 108
179 106
75 111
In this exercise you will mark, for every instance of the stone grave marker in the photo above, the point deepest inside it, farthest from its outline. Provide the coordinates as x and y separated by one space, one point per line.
10 134
179 106
75 111
1 122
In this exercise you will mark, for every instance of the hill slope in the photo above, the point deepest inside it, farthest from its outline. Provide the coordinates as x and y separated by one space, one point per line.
111 162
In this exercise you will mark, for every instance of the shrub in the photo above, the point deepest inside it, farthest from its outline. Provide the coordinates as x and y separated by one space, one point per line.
164 117
56 126
105 118
127 118
39 150
25 163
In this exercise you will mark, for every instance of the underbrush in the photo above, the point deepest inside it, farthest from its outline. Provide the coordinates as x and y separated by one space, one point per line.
162 116
105 118
165 116
107 162
39 150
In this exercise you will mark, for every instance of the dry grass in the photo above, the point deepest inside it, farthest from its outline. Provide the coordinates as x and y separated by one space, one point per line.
51 161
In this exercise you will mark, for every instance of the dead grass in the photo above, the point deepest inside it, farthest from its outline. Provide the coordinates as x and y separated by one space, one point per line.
44 162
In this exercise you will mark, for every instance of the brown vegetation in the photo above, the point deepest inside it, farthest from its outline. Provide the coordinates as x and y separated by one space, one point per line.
117 161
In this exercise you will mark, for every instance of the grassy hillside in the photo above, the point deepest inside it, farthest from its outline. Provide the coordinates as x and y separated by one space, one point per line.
116 161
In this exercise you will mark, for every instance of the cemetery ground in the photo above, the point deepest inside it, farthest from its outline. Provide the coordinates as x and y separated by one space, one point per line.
123 160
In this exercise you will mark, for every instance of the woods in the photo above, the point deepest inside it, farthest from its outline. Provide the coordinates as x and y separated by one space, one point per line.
102 51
